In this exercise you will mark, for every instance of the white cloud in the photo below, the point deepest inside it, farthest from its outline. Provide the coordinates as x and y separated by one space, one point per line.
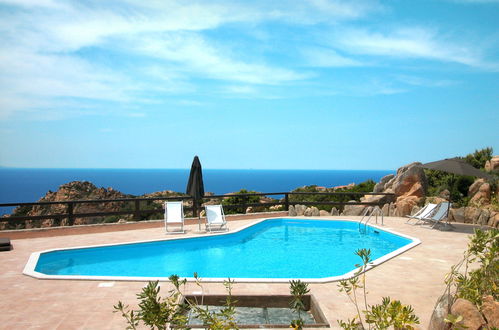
343 9
324 57
419 81
410 43
33 3
134 53
190 103
198 57
476 1
47 49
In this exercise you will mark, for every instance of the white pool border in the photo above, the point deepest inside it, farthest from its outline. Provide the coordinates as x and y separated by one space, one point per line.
29 268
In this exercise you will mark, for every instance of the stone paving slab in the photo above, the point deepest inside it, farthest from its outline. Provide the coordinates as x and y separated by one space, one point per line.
415 277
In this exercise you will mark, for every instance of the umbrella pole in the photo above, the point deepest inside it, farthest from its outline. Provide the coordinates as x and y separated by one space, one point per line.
199 217
450 197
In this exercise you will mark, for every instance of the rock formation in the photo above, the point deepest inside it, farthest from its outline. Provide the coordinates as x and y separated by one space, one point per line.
472 318
353 209
409 186
74 191
493 164
479 192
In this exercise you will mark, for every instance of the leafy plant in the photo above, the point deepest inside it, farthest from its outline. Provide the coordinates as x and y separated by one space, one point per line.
298 289
391 313
382 316
222 320
153 311
455 321
483 280
366 186
236 199
158 313
479 157
457 185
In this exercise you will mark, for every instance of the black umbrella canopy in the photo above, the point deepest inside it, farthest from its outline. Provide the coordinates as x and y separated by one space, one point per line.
195 186
456 166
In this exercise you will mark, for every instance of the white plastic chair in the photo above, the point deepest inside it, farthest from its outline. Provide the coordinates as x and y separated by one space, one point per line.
425 212
215 218
174 216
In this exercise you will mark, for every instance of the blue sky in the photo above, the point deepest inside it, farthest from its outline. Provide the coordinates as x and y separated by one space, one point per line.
309 84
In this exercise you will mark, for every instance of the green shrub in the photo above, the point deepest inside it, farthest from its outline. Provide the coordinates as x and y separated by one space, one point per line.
388 314
236 200
479 157
163 313
457 185
366 186
298 289
472 285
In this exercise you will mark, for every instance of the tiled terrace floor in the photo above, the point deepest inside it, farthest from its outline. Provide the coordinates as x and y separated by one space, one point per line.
415 277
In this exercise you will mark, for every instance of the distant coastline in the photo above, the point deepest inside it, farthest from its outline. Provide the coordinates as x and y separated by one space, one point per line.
28 185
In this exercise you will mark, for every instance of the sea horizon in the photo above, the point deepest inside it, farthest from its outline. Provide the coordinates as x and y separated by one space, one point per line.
30 184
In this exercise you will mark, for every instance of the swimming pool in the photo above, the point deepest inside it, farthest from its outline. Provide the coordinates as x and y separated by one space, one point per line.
271 250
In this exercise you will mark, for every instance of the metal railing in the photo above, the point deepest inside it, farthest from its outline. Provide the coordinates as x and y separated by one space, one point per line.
136 208
369 213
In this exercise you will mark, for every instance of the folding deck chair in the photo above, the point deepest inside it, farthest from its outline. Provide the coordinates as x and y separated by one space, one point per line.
440 214
215 218
423 213
174 216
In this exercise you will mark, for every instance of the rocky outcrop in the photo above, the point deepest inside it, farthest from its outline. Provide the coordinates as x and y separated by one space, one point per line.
315 211
380 186
490 310
493 164
475 215
472 318
335 212
440 312
353 209
324 213
479 192
72 191
409 186
78 191
302 210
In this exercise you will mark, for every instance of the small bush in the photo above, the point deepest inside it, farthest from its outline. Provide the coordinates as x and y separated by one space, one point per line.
236 200
366 186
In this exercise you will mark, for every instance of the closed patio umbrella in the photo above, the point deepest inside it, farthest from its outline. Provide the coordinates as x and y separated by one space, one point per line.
195 185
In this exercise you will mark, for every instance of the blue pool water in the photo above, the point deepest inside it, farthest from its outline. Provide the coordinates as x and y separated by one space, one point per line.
274 248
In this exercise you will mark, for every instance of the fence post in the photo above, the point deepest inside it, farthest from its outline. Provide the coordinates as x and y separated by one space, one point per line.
286 202
136 214
243 201
70 211
195 210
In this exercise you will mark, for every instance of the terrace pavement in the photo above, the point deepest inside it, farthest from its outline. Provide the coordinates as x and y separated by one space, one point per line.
416 277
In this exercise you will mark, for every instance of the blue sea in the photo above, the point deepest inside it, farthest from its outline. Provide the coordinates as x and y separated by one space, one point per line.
29 185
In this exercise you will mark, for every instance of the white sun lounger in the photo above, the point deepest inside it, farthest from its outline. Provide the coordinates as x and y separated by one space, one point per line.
215 218
423 213
174 216
440 214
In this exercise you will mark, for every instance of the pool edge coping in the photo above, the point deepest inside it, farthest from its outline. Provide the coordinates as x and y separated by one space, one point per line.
29 268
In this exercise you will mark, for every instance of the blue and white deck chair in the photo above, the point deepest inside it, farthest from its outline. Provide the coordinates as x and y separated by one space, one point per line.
174 216
215 218
440 214
425 212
